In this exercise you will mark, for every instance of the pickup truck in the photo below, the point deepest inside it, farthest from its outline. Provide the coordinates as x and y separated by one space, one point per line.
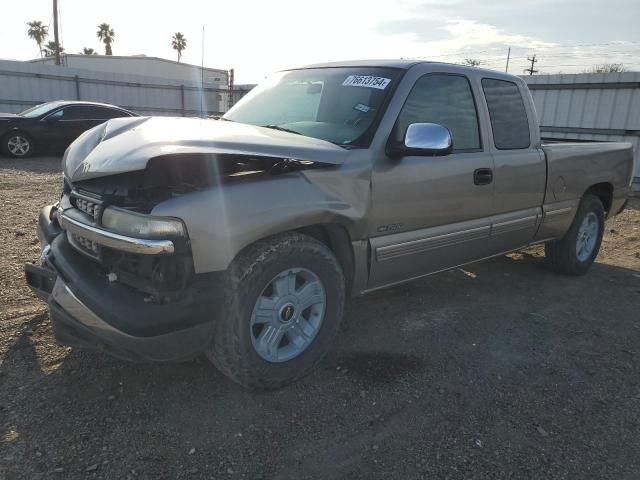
242 237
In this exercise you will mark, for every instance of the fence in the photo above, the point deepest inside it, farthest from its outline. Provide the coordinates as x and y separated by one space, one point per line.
23 85
590 107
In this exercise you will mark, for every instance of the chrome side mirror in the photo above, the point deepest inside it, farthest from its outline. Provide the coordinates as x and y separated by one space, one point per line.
423 139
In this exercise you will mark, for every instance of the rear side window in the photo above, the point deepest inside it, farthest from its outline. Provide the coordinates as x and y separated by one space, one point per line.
99 113
76 112
508 115
447 100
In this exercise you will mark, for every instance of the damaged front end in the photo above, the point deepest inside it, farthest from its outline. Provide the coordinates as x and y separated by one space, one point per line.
108 219
136 250
122 279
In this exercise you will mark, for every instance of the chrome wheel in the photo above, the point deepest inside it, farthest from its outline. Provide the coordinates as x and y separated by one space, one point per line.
18 145
587 238
288 315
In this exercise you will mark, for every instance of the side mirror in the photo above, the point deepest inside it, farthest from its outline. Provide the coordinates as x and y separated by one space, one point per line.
423 139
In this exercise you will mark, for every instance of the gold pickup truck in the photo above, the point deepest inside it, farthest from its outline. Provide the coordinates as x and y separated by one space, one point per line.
242 237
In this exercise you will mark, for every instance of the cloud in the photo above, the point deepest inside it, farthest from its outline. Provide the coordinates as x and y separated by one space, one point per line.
457 37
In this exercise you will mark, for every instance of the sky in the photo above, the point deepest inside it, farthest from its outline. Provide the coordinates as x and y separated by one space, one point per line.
256 37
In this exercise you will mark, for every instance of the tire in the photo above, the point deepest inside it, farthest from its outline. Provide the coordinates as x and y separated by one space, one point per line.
17 144
577 250
260 276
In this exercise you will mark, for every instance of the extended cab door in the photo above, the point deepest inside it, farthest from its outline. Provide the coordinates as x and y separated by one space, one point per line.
432 212
519 165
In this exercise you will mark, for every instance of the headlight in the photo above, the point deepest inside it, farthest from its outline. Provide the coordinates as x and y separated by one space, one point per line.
142 226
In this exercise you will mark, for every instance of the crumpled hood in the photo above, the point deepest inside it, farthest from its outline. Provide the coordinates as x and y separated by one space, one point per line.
127 144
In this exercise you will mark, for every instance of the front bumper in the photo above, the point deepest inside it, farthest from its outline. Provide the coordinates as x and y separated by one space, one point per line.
90 311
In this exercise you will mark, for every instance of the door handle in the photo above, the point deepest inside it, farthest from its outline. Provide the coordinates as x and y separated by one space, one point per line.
482 176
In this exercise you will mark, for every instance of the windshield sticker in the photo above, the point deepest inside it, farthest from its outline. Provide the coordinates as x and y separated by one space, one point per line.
361 107
368 81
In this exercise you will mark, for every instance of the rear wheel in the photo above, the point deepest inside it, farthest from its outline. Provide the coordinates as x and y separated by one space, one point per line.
574 254
284 302
17 144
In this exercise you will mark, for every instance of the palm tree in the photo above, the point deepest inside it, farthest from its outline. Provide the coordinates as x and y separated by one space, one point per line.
179 43
38 32
50 48
107 36
88 51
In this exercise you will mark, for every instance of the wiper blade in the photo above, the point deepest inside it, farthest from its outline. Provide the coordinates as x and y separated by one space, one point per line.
281 129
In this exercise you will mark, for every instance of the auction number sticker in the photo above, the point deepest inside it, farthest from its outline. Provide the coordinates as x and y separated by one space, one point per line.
368 81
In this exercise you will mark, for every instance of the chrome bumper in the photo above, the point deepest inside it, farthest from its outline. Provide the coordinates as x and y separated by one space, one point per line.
115 240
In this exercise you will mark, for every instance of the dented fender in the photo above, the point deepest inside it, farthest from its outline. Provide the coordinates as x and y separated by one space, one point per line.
223 219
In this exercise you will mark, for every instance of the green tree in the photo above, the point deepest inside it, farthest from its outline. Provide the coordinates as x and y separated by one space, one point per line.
107 36
179 43
38 32
49 49
88 51
472 62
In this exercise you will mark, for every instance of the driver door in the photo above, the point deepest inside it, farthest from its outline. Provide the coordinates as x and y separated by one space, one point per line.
65 125
433 212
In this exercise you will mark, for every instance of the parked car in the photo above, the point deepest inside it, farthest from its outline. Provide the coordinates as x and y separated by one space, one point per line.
242 238
52 126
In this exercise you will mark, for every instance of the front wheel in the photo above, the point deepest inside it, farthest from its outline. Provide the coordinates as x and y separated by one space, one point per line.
574 254
17 144
284 301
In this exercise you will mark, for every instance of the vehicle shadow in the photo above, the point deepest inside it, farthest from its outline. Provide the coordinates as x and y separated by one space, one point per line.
423 374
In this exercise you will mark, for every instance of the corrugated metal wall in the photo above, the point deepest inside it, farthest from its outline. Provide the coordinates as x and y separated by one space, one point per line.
589 107
23 85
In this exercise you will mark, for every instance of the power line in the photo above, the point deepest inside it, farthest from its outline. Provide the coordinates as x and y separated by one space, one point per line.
554 48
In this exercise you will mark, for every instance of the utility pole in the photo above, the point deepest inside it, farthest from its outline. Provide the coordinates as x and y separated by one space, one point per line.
533 61
231 87
202 77
56 37
508 57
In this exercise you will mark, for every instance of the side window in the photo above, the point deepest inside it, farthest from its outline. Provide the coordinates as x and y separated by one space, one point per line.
56 115
508 115
71 113
100 113
447 100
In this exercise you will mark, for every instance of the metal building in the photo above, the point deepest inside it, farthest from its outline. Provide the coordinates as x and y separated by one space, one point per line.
143 65
25 84
590 107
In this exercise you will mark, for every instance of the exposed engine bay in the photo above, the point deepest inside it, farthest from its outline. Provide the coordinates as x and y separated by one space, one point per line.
170 176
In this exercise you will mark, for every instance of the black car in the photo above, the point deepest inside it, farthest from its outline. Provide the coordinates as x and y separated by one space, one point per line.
52 126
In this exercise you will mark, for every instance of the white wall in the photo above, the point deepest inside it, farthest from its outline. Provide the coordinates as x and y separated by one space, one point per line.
24 84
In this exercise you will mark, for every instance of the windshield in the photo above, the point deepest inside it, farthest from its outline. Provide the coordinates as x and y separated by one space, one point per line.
39 109
339 105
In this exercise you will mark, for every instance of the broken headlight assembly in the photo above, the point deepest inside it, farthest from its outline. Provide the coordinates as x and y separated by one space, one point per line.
138 225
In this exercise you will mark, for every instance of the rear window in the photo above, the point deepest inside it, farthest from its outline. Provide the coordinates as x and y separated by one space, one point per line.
508 115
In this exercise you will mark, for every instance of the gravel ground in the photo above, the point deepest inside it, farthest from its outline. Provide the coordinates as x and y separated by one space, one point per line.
499 370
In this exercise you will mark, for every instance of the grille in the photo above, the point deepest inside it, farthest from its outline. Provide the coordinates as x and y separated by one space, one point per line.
90 208
85 245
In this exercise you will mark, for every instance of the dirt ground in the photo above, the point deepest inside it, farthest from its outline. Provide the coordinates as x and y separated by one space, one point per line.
499 370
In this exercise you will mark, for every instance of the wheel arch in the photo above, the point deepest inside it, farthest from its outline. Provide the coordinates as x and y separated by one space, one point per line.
336 237
604 191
